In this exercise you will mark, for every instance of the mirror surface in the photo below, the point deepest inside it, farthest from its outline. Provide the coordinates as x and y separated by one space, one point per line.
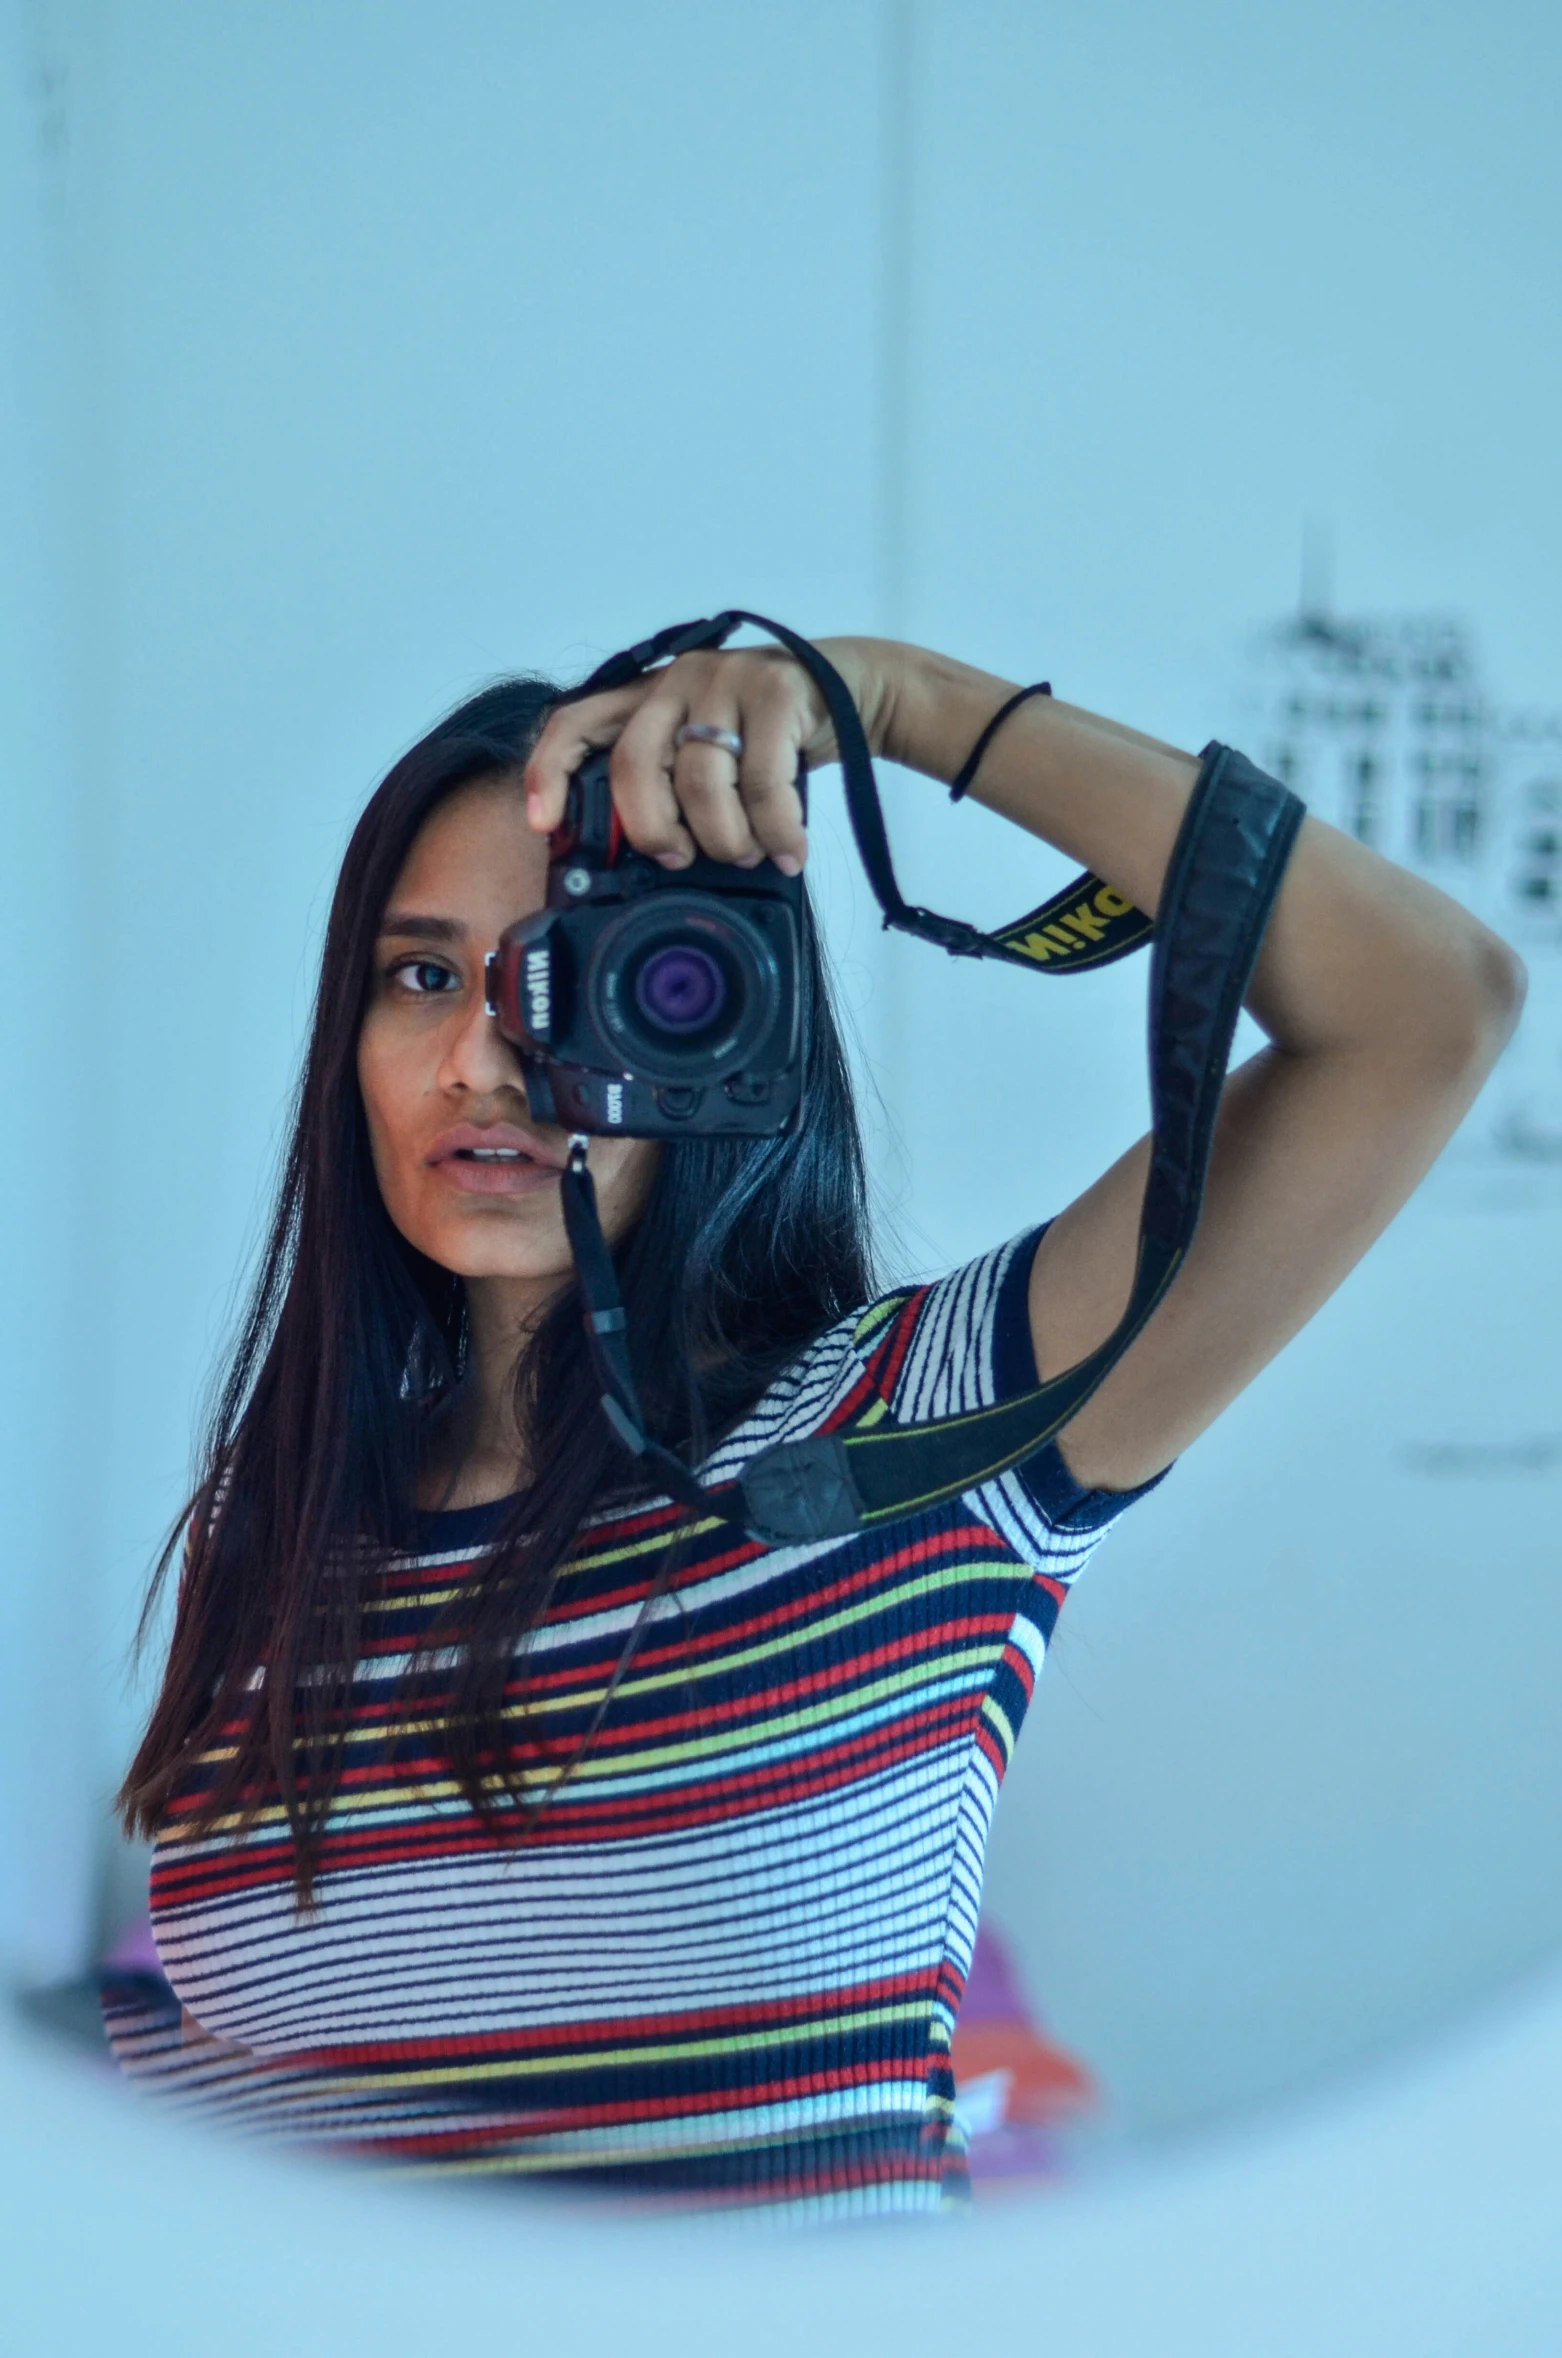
361 357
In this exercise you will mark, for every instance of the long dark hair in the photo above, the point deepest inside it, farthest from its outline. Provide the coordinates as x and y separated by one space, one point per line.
352 1340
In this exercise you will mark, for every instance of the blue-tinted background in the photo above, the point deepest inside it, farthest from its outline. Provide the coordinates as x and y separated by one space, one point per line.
355 351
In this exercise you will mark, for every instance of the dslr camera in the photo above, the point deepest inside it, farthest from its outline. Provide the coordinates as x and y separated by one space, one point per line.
647 1002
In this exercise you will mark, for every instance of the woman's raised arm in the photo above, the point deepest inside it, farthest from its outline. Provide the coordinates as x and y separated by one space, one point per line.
1385 1004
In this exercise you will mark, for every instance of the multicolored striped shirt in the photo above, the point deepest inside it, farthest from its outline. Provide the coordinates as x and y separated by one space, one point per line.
726 1959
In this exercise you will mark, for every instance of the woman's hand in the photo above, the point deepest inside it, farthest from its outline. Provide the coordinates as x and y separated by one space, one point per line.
675 801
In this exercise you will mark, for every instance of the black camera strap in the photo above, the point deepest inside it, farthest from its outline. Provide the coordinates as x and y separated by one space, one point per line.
607 1340
1087 924
1225 872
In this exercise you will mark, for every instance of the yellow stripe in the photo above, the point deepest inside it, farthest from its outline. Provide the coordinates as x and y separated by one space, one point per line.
720 1665
785 1641
609 2058
997 1717
752 1734
649 1543
871 1320
607 2154
793 1721
926 1584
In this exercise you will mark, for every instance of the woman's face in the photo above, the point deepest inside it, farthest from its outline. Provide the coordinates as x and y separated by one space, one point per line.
467 1175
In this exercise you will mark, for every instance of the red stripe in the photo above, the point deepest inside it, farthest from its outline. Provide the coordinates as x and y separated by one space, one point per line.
992 1748
629 1818
904 1328
548 2120
611 2031
1018 1665
862 1392
543 1685
755 1703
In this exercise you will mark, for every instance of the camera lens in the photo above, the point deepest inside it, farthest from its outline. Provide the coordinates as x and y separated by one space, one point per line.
686 987
681 989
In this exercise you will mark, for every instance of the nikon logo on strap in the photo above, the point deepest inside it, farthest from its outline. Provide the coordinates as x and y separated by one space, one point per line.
1087 924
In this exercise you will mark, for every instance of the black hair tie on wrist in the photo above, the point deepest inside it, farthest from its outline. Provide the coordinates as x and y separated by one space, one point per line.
973 760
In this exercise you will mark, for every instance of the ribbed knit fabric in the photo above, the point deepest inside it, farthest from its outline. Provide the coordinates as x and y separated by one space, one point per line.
725 1961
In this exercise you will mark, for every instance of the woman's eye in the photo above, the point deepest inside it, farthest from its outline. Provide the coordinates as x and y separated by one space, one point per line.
424 976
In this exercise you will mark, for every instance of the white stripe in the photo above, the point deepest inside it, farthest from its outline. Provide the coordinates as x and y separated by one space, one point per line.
788 1899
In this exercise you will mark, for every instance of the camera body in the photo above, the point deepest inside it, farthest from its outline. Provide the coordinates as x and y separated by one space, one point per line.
653 1003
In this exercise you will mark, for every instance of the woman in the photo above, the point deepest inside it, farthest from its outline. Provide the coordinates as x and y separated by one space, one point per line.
510 1821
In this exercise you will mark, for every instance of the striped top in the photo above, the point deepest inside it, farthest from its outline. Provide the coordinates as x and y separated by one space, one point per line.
725 1961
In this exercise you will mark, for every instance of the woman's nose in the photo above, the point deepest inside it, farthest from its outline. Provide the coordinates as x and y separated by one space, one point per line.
478 1056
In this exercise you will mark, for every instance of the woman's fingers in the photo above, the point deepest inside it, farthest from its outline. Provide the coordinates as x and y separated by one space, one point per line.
676 799
572 731
743 807
706 780
775 725
644 758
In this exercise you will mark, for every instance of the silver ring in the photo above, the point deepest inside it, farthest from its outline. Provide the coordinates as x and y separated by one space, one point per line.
706 733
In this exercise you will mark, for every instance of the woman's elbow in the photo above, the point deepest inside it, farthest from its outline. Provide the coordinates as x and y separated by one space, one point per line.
1503 983
1481 1006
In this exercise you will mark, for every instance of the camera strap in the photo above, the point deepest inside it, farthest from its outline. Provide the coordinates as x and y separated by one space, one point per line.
1087 924
607 1340
1225 872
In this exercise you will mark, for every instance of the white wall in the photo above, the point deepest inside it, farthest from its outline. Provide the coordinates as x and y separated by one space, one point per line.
1185 280
434 344
54 1677
420 342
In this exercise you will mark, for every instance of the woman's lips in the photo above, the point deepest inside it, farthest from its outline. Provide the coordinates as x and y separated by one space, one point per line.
495 1160
469 1177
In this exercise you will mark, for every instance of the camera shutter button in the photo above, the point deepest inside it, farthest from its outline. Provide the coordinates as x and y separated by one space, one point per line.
577 882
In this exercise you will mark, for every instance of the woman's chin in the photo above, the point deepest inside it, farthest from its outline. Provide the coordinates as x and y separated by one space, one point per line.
494 1237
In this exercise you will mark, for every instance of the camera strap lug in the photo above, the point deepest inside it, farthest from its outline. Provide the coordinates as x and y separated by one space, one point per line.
945 933
680 638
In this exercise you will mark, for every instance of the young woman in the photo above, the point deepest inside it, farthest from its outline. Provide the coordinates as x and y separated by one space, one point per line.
508 1820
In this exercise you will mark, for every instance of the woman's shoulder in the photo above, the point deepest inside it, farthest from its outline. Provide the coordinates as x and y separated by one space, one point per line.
921 1351
890 1350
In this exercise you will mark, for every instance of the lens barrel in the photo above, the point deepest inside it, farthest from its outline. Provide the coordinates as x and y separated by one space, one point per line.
685 985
